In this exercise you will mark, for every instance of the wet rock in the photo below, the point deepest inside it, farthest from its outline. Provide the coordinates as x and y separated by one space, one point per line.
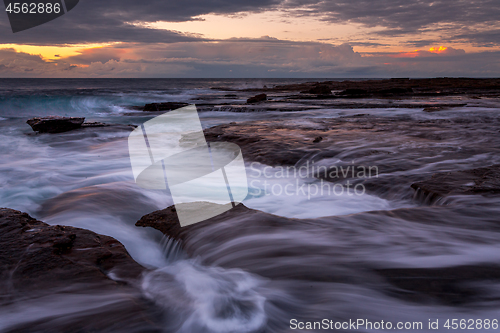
226 240
321 89
404 87
167 222
257 98
268 142
353 92
484 181
167 106
55 124
395 91
37 255
41 262
434 108
448 285
164 220
95 124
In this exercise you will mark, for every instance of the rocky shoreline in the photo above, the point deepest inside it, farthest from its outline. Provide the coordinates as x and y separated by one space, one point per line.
388 87
448 286
363 94
40 261
57 124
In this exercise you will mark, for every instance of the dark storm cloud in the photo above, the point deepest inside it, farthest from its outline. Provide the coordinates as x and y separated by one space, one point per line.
487 38
258 58
100 21
367 44
95 21
402 16
421 43
469 21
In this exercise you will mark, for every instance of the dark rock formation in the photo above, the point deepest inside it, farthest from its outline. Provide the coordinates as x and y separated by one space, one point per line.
64 264
435 108
357 92
214 240
354 92
396 87
167 106
403 86
484 181
268 142
257 98
450 285
167 222
35 255
55 124
320 89
95 124
395 91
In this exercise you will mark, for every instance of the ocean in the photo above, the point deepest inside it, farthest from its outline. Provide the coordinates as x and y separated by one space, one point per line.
262 280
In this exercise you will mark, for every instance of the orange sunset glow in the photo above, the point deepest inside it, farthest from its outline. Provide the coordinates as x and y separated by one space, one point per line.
250 166
438 49
283 39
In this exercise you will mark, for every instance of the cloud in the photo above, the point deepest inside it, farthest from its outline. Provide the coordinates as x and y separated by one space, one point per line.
449 18
264 57
20 64
432 52
401 15
486 38
97 21
261 58
421 43
88 56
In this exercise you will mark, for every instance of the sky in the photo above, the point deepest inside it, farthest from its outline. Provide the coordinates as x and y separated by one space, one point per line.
259 38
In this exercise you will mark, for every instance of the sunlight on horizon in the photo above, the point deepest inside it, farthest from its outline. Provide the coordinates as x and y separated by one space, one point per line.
53 53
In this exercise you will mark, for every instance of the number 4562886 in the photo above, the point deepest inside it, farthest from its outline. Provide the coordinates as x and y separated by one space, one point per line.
33 8
471 324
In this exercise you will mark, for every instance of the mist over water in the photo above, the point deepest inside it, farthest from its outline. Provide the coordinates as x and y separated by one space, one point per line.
244 276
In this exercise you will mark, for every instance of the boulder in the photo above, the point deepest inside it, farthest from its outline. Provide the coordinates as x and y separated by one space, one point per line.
55 124
167 106
257 98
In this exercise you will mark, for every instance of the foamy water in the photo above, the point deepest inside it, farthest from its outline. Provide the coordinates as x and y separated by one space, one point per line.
242 277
